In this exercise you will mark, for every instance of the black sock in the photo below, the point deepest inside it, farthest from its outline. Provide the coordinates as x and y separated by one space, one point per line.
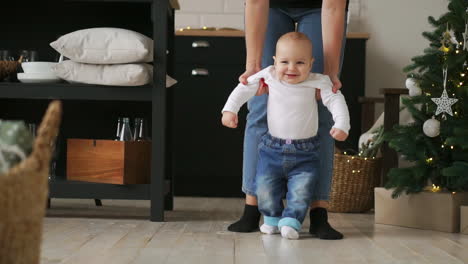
320 227
248 222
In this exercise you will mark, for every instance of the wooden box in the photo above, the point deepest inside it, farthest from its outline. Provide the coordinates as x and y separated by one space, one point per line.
108 161
425 210
464 220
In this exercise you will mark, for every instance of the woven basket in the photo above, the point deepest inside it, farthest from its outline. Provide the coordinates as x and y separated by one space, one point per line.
7 68
23 196
354 180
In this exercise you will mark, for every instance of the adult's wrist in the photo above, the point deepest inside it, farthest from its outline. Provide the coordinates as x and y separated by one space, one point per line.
253 65
330 71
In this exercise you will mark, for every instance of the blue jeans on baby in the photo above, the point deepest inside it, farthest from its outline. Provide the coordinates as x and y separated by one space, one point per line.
286 168
281 21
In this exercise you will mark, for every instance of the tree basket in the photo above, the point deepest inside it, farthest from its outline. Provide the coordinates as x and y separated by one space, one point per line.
7 68
23 196
354 180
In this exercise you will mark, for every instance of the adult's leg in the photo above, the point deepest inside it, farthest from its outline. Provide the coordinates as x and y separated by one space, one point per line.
278 24
310 24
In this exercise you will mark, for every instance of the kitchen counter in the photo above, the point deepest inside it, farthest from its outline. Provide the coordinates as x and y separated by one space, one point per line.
175 4
240 33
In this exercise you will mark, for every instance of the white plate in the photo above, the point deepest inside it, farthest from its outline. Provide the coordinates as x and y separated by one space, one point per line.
38 78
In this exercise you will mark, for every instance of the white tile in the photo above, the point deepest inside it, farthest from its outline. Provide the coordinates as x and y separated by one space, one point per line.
202 6
354 9
187 20
354 15
234 6
226 20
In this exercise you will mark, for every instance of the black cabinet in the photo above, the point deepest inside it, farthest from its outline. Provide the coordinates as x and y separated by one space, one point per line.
208 156
354 82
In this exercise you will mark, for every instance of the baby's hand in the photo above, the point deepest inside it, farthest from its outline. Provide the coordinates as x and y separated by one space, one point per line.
229 119
338 134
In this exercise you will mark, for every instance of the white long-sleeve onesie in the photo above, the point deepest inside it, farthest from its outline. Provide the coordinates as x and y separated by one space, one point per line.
292 108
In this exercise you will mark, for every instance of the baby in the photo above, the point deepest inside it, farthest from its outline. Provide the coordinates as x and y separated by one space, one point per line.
289 153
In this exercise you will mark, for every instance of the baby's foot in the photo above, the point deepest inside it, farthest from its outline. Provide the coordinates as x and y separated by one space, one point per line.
289 232
268 229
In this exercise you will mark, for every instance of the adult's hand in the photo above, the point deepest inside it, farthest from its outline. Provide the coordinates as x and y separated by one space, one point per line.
336 83
256 19
336 86
333 25
262 86
248 72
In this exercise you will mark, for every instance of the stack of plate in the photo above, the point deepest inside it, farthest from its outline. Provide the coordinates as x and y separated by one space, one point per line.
38 72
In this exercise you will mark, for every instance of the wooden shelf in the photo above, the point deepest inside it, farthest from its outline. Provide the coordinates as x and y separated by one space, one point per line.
75 91
89 190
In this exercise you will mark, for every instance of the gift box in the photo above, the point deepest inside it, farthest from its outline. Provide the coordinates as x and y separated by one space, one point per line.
439 211
464 220
109 161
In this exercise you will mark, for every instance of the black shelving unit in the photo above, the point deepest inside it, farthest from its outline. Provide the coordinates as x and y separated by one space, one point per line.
160 190
65 91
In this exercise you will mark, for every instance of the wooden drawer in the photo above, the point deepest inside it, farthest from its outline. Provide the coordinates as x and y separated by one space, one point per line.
213 50
205 74
108 161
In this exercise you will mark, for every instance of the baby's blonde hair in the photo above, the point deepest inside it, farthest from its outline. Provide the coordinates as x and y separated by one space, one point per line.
295 36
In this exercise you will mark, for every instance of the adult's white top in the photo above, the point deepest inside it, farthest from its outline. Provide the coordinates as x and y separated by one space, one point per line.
292 108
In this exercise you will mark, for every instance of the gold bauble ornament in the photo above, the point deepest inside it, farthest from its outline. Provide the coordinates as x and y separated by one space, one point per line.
444 48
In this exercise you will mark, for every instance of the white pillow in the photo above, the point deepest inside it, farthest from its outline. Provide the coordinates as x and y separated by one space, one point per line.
118 74
105 46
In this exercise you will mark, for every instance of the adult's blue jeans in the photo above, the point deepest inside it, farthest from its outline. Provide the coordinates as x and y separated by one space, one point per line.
281 21
286 168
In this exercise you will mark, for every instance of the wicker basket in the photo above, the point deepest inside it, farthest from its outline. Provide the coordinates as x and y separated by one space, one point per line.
23 196
354 180
7 68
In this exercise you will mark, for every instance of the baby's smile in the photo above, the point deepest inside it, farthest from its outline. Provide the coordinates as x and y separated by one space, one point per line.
293 60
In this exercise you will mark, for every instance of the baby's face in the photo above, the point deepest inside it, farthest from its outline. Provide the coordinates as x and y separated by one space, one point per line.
293 61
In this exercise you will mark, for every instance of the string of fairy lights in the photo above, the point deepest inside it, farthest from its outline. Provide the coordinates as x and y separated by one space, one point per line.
449 44
431 127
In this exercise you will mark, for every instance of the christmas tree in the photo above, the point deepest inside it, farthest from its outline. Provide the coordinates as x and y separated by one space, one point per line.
437 142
